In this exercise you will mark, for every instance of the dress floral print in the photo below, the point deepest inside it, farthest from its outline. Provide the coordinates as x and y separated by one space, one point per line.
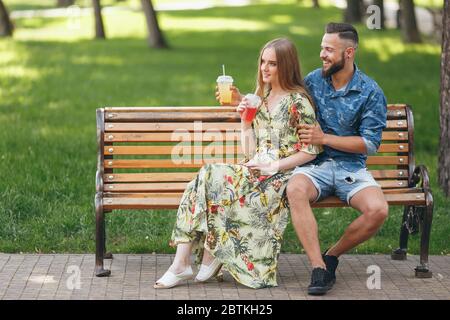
239 214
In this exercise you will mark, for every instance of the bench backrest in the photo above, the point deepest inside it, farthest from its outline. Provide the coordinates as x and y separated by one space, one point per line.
155 151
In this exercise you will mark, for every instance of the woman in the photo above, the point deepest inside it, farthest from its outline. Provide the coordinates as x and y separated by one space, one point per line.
238 213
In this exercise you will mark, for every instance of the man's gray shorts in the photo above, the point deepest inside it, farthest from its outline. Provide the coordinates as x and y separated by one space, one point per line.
331 179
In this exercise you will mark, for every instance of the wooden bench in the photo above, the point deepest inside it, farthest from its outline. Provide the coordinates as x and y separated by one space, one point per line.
145 154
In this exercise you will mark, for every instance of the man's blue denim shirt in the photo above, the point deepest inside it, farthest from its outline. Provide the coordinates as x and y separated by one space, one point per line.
359 110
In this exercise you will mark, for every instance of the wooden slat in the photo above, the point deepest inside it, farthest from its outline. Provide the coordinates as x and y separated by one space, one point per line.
392 199
395 136
181 186
146 187
138 203
142 164
396 106
171 116
208 136
172 126
197 163
172 137
389 174
210 150
394 147
188 176
390 107
386 184
396 124
150 177
168 109
143 195
380 160
396 114
171 201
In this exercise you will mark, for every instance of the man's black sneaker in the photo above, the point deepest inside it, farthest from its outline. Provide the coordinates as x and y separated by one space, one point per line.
331 263
321 282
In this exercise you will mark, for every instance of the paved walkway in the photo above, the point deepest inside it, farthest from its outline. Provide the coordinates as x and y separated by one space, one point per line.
71 276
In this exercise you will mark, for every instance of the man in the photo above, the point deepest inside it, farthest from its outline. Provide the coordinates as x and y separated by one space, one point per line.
351 114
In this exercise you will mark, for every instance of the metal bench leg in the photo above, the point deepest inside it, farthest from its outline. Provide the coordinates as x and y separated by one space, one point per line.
107 255
400 253
422 270
100 271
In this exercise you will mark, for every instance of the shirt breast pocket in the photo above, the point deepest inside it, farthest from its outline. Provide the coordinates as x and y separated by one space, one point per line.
347 117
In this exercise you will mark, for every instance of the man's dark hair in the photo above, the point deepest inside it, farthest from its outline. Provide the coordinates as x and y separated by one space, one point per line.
344 30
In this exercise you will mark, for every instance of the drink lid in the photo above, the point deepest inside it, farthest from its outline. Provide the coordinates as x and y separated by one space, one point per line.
224 79
254 99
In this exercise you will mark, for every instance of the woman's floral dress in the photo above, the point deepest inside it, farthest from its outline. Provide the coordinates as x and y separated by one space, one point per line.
236 213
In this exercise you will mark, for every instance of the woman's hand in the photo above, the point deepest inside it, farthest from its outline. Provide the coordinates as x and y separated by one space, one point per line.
266 168
235 96
241 110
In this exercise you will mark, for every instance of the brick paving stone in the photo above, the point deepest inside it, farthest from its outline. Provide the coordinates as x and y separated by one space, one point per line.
36 276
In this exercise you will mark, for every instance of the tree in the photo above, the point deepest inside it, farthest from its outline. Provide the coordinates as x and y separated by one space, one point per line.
408 22
155 36
444 145
99 28
353 12
6 26
65 3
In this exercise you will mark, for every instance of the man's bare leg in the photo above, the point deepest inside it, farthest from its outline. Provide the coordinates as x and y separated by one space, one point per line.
301 191
374 208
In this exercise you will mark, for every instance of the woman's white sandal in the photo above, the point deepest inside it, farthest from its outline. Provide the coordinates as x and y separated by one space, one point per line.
170 279
207 272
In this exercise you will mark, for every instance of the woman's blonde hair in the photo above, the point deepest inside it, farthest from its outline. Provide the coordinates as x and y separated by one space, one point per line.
289 73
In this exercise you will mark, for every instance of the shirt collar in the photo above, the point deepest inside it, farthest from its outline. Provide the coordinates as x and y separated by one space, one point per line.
355 83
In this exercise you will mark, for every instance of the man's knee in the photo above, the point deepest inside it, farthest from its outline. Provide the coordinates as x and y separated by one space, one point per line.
377 212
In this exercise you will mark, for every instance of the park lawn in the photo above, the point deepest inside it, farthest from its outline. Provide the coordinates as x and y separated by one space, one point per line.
53 76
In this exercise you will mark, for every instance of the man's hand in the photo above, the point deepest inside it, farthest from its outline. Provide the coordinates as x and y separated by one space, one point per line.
235 97
311 134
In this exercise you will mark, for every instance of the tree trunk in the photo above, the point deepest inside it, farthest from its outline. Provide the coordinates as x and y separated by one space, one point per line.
65 3
6 27
408 22
99 28
353 12
444 144
316 4
155 36
380 4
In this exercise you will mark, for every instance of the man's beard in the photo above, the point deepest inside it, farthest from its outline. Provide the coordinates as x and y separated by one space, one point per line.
335 67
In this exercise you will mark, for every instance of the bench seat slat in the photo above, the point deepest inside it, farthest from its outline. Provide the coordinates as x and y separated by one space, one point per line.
172 126
228 136
176 150
210 150
171 201
396 124
114 110
170 116
172 137
181 186
395 136
188 176
197 163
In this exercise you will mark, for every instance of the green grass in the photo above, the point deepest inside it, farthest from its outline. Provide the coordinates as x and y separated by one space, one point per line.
52 78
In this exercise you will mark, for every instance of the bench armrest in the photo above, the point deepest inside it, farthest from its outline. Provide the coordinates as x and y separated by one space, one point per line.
421 175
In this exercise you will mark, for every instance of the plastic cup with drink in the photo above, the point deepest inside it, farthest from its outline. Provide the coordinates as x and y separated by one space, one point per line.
224 83
252 106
